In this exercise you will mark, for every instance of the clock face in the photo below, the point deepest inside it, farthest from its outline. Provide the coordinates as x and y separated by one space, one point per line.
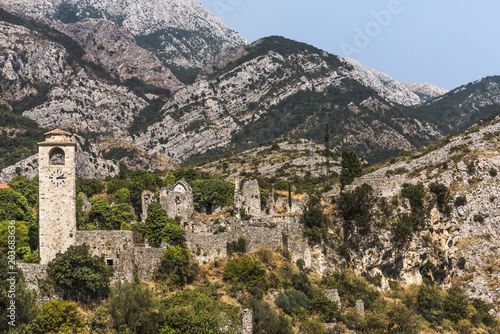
57 178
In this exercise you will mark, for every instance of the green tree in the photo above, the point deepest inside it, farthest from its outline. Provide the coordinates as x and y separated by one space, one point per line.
122 196
89 187
26 304
134 309
21 240
160 228
101 215
443 196
59 316
314 220
26 187
80 276
139 181
351 168
357 205
14 206
177 266
210 192
292 301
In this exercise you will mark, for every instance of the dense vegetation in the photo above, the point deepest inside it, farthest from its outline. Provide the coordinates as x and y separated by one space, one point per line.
190 297
19 136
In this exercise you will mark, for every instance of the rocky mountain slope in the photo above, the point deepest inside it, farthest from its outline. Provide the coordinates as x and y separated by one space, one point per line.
182 33
277 87
463 106
398 92
273 88
116 50
461 244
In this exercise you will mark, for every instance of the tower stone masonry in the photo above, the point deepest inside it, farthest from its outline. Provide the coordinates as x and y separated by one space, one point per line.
57 189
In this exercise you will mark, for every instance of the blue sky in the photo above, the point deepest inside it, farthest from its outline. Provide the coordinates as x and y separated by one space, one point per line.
445 42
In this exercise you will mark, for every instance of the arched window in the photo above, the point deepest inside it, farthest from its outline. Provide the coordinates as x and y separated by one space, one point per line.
57 156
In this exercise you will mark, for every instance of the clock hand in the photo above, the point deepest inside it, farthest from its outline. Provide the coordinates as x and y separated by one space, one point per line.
62 177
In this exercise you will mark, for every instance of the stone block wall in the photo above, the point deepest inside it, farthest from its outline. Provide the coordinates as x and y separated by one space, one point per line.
117 247
33 273
147 260
248 200
273 231
147 198
177 200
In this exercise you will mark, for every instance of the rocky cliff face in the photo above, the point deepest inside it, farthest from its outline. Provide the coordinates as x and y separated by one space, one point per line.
116 50
278 87
463 245
181 33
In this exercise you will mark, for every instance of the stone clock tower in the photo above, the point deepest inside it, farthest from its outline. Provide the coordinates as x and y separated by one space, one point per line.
57 184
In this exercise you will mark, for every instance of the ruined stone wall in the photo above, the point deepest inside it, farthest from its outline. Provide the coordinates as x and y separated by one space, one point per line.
33 273
147 198
177 200
147 260
386 186
248 200
115 246
273 231
298 204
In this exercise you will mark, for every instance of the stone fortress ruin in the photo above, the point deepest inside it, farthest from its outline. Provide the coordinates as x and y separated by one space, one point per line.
276 223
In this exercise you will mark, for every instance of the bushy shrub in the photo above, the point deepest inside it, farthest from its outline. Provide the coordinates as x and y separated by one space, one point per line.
291 301
478 218
404 227
455 304
482 315
460 201
80 276
59 316
443 196
403 319
352 288
89 187
324 307
268 321
177 267
134 309
244 270
313 327
198 311
239 246
430 299
416 194
26 303
493 172
281 185
122 196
